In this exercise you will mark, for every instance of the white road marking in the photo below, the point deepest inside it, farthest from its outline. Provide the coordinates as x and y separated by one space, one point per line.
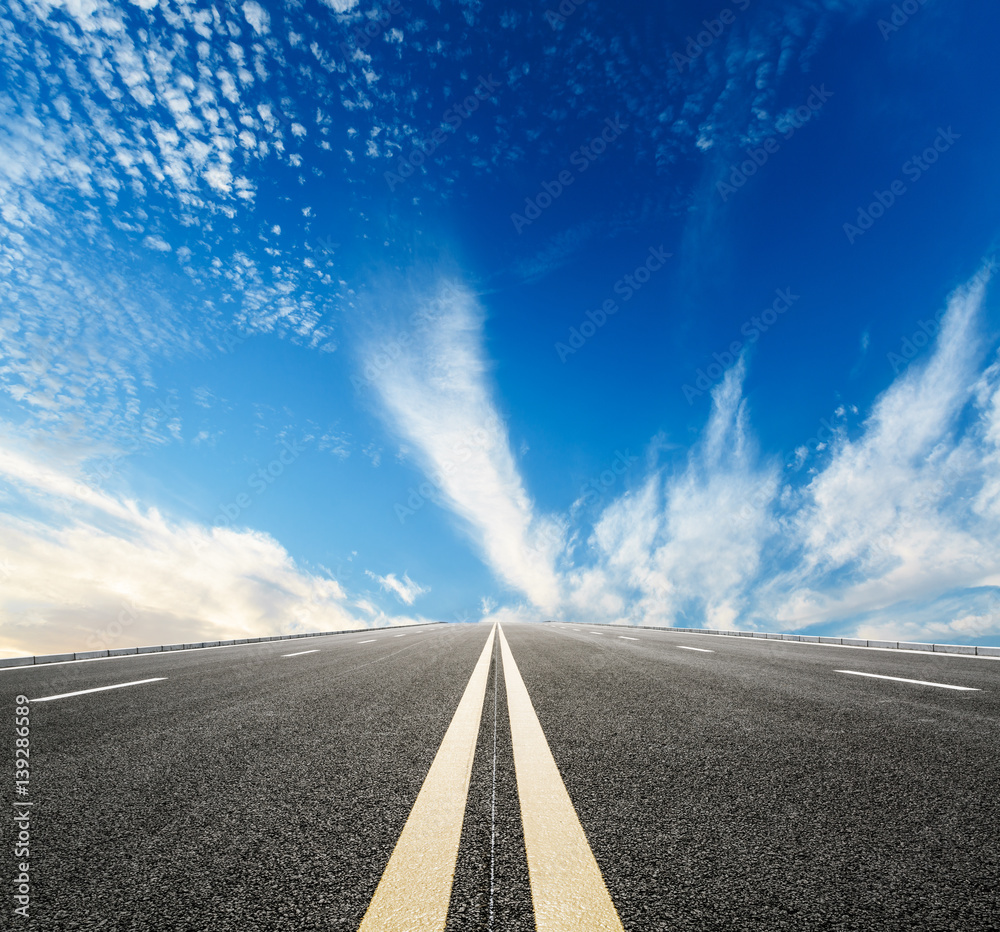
900 679
372 641
399 635
98 689
701 650
625 637
315 650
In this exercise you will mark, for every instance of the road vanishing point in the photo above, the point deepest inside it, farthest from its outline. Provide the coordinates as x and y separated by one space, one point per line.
558 777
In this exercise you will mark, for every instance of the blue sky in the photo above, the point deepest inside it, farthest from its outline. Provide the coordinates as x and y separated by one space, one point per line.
332 314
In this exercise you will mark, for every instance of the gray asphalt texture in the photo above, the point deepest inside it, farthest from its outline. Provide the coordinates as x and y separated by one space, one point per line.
749 788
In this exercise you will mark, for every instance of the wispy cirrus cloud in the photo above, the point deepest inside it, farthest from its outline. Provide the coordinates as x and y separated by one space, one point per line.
907 510
900 517
893 533
687 545
903 515
437 397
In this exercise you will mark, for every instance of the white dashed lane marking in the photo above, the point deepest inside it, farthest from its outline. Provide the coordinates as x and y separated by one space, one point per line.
900 679
701 650
98 689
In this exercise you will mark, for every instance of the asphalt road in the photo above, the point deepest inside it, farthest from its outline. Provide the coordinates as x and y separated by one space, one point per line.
749 787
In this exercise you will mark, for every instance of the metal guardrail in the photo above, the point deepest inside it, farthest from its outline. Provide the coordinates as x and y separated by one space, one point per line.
968 649
163 648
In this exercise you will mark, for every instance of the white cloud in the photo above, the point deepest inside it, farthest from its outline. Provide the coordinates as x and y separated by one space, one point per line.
437 397
688 545
86 569
257 17
341 6
902 515
903 512
335 443
405 589
139 131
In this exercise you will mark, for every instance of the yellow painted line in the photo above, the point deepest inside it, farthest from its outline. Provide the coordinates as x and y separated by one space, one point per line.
567 889
415 888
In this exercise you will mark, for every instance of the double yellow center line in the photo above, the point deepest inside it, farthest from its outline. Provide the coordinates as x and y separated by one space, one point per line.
415 888
567 890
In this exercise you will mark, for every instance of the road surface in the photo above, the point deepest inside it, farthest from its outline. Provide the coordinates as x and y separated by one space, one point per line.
663 781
